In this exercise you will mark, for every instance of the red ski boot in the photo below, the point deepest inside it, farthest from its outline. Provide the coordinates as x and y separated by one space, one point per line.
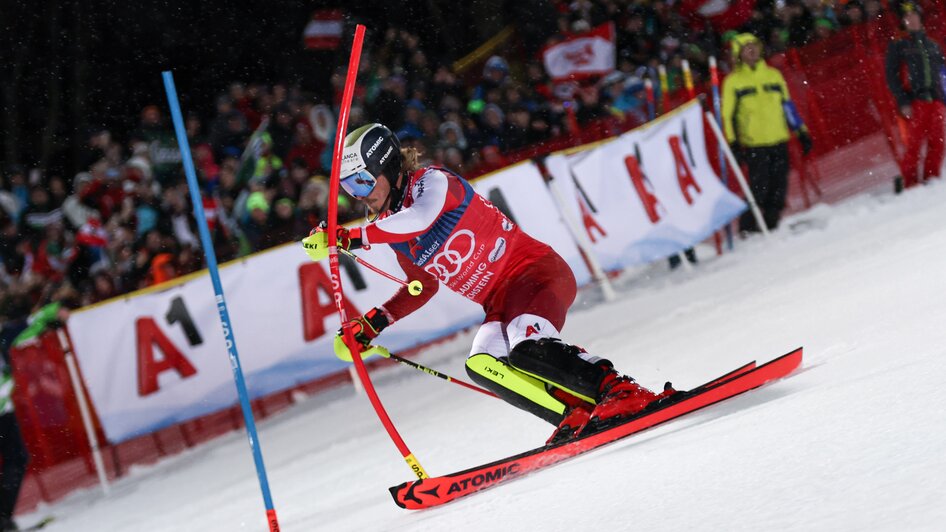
575 420
620 397
576 417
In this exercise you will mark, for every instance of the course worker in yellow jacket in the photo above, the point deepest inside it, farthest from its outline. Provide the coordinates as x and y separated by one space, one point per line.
758 118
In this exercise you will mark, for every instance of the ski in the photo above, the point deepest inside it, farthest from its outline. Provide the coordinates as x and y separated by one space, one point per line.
429 492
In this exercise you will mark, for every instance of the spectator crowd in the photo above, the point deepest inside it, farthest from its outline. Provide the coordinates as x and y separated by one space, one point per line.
125 222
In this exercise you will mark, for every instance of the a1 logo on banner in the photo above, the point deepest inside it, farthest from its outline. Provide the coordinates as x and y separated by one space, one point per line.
148 335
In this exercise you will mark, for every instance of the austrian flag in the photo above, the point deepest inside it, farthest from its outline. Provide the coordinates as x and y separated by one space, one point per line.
725 15
324 30
587 54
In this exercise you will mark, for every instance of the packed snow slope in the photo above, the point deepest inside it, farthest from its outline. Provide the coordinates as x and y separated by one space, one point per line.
855 440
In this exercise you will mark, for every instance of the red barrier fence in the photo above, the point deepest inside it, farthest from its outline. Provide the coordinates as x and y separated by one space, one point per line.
60 455
839 87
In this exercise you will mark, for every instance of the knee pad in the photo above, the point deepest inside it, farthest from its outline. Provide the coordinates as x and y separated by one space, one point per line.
515 387
562 365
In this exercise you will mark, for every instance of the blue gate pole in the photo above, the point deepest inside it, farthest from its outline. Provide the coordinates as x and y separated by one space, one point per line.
211 257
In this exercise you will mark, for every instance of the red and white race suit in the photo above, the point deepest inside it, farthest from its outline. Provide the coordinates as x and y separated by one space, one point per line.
446 232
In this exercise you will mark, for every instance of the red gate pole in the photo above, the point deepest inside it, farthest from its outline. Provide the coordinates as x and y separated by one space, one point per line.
347 335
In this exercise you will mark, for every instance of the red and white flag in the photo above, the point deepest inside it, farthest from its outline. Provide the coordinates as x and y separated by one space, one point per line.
587 54
724 15
324 31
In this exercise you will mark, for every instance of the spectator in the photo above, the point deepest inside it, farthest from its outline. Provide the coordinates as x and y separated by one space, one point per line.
75 210
755 124
268 164
103 287
39 213
13 451
853 13
518 134
312 200
590 105
453 159
54 253
873 10
232 137
177 213
257 207
16 185
921 100
624 97
410 124
495 75
281 131
824 28
390 100
492 159
282 226
445 83
306 148
57 191
94 150
141 273
165 155
452 136
492 128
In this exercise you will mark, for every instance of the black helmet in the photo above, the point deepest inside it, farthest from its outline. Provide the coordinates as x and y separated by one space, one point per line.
372 148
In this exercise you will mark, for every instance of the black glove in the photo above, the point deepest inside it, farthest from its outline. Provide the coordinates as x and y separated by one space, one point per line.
366 328
805 139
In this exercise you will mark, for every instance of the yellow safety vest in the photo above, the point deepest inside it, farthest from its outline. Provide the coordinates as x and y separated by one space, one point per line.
752 106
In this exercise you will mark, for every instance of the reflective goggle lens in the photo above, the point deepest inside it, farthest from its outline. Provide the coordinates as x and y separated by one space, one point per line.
359 184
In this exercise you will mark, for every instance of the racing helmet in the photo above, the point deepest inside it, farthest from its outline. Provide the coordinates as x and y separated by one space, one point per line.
370 151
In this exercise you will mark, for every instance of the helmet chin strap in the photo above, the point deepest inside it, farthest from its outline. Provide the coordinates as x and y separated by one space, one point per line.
397 195
393 201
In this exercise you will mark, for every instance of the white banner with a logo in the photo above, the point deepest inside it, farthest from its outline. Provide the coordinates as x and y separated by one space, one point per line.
588 54
647 194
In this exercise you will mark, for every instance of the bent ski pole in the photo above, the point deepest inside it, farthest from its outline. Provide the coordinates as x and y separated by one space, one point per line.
378 350
336 277
414 287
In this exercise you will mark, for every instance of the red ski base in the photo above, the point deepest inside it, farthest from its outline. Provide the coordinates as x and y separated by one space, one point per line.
430 492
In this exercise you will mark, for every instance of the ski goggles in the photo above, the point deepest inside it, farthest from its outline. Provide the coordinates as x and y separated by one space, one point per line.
359 184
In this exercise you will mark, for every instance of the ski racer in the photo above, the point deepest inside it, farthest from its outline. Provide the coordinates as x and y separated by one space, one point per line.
444 232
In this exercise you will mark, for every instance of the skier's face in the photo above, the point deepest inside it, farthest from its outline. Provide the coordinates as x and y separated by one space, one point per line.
378 198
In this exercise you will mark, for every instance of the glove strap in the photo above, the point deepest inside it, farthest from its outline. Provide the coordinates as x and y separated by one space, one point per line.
354 238
378 319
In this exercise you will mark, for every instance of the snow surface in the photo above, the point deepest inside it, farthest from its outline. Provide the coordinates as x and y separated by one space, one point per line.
855 440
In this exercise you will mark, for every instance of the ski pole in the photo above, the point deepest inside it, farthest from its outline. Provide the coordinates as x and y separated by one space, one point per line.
414 287
378 350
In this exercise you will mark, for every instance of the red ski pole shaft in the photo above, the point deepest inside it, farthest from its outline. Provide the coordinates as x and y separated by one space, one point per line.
414 287
347 335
